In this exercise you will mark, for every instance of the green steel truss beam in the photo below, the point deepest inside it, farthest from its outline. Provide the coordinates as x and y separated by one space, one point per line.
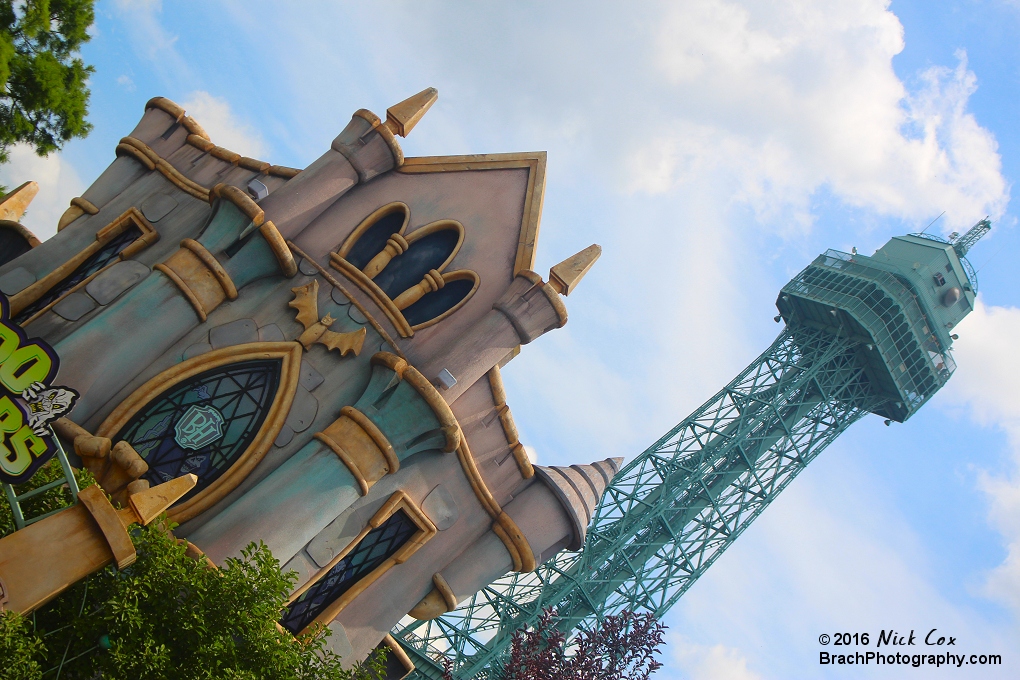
673 510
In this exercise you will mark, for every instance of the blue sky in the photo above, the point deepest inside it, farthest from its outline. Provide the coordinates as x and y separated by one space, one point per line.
712 147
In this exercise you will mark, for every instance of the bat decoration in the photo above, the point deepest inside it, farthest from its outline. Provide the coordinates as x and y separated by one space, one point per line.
317 330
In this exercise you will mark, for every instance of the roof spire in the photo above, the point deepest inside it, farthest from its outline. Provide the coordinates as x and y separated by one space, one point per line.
401 118
565 276
14 204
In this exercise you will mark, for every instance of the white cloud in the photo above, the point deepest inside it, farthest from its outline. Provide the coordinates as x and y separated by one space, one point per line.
703 662
224 128
126 82
58 184
797 95
988 390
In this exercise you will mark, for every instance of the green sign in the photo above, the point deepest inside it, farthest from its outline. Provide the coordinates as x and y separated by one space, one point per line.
28 403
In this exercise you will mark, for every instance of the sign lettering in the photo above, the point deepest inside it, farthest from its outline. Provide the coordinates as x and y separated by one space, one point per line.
28 404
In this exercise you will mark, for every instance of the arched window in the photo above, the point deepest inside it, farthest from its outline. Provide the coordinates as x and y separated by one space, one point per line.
119 240
405 273
214 416
393 534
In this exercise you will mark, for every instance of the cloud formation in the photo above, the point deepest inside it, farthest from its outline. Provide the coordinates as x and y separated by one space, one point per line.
987 390
224 128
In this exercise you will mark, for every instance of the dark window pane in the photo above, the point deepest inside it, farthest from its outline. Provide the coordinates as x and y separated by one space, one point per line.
204 424
407 270
99 259
373 240
377 546
438 301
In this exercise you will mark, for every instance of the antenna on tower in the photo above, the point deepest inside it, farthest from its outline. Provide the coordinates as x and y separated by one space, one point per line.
962 244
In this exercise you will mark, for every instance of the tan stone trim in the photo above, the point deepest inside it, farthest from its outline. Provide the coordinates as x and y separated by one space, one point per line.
364 448
369 287
515 554
458 275
332 280
398 653
79 206
163 104
288 267
123 149
426 530
375 216
68 216
556 302
254 164
32 240
201 143
283 171
197 280
29 295
85 205
151 160
288 352
346 459
534 194
102 511
435 401
243 201
185 290
445 590
193 128
506 420
214 266
385 133
198 138
503 526
376 435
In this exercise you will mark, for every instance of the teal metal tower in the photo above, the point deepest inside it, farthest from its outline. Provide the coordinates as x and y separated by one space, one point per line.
862 335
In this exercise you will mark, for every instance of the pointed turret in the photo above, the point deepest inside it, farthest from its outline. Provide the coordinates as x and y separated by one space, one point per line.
579 488
401 118
14 204
565 276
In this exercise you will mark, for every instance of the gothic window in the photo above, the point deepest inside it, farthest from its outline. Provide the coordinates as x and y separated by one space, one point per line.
202 425
375 548
406 273
394 533
214 416
119 240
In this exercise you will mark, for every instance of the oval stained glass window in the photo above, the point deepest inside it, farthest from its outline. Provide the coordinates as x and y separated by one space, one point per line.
203 425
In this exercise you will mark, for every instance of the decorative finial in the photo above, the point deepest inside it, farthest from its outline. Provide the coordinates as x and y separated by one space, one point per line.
565 276
151 503
14 204
401 118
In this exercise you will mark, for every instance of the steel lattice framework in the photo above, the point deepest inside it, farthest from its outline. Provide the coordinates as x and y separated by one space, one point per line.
862 335
674 509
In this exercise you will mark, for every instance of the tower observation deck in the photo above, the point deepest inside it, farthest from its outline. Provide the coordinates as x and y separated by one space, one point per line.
862 335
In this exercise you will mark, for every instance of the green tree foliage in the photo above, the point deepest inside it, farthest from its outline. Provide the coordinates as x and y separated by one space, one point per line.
44 99
168 616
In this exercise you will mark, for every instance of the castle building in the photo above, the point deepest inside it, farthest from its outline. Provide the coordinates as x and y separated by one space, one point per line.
322 349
